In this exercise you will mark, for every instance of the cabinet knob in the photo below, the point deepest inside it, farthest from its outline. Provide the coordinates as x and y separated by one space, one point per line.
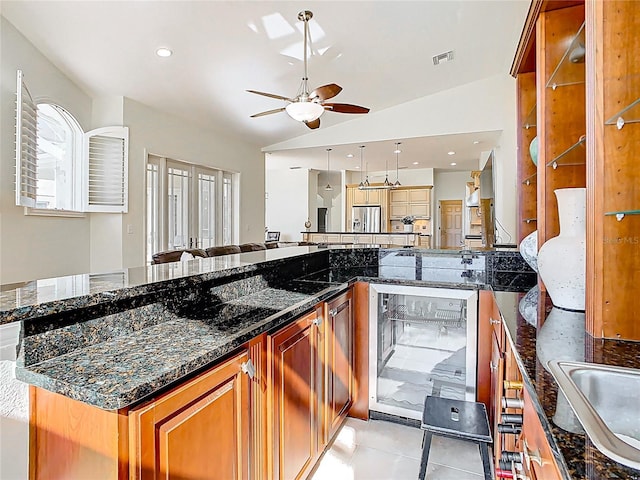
493 367
333 312
493 321
248 368
512 385
317 321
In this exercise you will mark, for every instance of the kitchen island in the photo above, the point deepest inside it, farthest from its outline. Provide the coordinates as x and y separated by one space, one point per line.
397 238
120 343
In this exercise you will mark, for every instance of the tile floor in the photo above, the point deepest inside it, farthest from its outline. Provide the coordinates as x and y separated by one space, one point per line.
379 450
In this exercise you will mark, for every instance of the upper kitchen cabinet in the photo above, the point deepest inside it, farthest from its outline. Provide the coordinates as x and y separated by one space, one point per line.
578 91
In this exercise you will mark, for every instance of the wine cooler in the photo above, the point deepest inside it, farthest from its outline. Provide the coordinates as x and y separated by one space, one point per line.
422 341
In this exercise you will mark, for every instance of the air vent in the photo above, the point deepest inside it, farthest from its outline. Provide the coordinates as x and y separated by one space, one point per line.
443 57
294 168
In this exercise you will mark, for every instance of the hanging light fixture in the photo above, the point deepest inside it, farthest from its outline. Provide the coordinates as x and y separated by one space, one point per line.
387 183
328 188
397 152
361 186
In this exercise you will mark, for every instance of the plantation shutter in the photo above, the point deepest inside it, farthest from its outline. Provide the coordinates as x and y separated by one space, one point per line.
26 145
106 180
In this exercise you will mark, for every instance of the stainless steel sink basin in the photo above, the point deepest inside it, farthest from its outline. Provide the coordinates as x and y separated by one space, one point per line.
605 400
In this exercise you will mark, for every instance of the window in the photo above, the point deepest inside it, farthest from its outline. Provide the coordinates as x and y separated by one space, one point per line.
60 168
185 206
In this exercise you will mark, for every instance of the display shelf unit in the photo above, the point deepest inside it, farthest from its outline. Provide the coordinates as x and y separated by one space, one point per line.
622 213
570 68
530 120
629 114
530 180
574 155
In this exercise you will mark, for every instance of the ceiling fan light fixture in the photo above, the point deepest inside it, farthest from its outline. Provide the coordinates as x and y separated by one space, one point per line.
304 111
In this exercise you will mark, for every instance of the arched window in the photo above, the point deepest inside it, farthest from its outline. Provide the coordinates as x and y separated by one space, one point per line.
59 148
60 168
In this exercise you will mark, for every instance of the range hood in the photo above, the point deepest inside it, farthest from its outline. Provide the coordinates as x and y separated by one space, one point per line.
473 199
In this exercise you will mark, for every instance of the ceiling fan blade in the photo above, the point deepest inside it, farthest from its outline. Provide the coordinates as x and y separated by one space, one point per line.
270 95
313 124
268 112
326 92
345 108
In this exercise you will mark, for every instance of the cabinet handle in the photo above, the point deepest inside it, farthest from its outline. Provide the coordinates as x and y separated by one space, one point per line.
317 321
493 321
513 385
493 367
532 456
333 312
248 368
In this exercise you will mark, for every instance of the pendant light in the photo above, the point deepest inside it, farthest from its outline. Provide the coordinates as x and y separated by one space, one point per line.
397 152
387 183
328 188
361 186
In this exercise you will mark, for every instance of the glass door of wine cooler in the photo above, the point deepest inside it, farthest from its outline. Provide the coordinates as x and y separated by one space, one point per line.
422 341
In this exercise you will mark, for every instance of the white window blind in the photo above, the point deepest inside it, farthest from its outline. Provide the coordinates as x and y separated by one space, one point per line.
107 165
26 146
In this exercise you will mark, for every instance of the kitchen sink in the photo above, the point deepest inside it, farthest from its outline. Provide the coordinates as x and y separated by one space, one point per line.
605 400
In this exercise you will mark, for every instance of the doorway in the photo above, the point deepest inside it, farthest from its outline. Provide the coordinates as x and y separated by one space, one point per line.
451 224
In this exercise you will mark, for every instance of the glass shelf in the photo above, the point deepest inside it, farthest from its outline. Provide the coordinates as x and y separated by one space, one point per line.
621 214
629 114
530 121
529 220
530 180
570 69
574 155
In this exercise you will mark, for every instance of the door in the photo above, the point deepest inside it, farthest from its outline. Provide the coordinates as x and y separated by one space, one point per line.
295 398
338 363
451 224
198 430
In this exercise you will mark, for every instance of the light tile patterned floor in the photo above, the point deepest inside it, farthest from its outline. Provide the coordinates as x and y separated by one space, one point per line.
378 450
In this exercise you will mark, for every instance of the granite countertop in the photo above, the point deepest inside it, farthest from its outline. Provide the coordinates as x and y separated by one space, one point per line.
577 456
125 369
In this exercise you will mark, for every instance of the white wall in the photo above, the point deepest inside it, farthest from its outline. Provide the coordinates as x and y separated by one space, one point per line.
56 246
418 176
448 186
290 194
485 105
332 200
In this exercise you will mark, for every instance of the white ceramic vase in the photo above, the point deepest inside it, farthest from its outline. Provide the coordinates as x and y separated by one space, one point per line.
529 250
561 260
562 337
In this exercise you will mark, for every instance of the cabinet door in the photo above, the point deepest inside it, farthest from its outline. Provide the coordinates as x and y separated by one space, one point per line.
295 397
420 210
399 196
338 363
374 197
332 238
538 455
419 195
199 430
360 197
399 210
495 407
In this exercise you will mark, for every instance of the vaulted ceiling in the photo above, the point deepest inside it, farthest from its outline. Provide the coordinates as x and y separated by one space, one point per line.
380 52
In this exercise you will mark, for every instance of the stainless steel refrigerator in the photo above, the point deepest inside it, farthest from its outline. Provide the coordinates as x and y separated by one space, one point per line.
365 218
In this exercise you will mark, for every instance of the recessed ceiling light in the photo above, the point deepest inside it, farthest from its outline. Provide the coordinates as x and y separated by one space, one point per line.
350 155
416 163
358 166
451 153
397 151
475 142
453 164
163 52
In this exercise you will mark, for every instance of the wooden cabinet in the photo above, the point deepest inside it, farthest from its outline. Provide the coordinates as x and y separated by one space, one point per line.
539 459
199 430
338 363
294 403
360 407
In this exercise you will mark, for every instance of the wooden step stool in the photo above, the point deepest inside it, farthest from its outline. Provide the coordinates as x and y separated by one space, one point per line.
455 419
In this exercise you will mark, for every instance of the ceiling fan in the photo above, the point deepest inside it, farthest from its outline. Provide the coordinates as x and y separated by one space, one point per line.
307 107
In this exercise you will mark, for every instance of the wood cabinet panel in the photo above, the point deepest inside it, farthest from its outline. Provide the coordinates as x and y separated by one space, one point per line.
535 444
399 196
295 399
419 195
360 407
71 439
398 210
198 430
338 362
